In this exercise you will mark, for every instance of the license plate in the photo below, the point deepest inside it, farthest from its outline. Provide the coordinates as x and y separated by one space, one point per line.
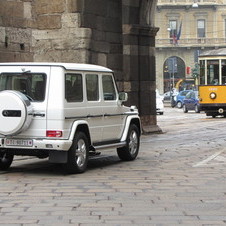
19 142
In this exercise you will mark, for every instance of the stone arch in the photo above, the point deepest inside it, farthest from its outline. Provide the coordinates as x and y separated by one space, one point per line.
173 72
147 12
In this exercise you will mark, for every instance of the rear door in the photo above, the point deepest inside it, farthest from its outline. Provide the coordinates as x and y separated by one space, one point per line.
187 100
32 82
193 100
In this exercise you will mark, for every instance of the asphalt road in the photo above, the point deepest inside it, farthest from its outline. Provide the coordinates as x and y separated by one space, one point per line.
179 178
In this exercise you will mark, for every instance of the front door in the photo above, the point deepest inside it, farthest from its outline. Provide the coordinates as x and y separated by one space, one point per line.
113 116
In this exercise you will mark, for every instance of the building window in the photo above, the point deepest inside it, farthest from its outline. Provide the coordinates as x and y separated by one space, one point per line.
173 28
225 29
201 29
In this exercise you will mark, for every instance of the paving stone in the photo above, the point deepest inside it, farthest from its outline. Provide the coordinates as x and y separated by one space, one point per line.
162 187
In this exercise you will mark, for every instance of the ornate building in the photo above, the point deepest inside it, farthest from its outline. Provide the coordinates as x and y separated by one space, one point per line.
187 28
119 34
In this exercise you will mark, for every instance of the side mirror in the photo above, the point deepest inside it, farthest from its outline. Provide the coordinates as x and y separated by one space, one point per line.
123 97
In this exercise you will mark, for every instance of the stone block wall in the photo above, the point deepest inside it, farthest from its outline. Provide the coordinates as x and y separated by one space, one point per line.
42 30
104 18
110 33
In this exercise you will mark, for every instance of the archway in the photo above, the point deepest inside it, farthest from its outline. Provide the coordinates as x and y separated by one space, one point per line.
173 71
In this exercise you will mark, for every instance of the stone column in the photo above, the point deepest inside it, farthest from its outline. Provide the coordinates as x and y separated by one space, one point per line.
139 72
139 59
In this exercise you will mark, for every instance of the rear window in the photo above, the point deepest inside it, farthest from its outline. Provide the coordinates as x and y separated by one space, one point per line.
33 85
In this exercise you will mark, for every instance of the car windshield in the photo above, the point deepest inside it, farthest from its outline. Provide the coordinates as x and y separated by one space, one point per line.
183 93
196 94
30 84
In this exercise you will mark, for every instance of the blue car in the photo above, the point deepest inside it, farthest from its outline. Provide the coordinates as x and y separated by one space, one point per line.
180 98
191 102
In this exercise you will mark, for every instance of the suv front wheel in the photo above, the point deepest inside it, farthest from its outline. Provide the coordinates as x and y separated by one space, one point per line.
130 151
78 154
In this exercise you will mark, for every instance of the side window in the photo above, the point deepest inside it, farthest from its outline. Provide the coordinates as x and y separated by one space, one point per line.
188 96
108 87
92 87
73 88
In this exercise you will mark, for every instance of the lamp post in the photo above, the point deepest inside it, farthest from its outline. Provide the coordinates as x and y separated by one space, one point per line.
172 68
195 4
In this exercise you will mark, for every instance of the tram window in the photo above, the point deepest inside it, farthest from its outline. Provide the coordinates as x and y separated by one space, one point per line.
202 72
212 72
223 74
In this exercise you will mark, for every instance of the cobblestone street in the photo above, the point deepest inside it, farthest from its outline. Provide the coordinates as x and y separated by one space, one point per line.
179 177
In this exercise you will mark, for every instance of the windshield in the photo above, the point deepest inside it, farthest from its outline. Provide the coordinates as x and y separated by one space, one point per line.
31 84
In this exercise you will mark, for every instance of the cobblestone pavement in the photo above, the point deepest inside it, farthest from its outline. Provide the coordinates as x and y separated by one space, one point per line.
178 178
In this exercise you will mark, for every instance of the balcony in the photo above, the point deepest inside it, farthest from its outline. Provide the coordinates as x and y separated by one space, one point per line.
191 42
188 2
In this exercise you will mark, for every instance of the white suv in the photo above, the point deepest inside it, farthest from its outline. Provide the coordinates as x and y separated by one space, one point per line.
66 112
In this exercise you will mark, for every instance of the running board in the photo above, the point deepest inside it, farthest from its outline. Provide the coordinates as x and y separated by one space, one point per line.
107 146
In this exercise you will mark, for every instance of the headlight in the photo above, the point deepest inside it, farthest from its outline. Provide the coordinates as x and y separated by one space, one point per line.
213 95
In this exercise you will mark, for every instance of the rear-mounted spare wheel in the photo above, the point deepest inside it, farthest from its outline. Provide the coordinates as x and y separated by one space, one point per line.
15 112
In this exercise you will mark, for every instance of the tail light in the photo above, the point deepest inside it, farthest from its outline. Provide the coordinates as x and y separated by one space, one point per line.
54 133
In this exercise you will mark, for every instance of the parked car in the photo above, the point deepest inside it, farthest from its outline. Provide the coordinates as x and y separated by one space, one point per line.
166 96
180 98
64 112
191 102
159 104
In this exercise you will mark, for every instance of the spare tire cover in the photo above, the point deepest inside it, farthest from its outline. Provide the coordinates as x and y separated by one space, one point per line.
15 112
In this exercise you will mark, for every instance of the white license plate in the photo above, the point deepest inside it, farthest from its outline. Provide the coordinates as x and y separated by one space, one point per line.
19 142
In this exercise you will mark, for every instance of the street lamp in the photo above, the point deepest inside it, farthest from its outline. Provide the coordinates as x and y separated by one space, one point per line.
195 4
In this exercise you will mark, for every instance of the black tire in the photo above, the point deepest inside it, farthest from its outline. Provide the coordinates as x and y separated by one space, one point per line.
6 160
179 104
197 109
78 154
130 151
185 110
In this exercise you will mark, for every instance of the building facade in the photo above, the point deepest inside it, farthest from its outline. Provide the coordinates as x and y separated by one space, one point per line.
187 28
119 34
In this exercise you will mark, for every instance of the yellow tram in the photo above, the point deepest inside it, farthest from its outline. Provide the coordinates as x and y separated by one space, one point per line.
212 82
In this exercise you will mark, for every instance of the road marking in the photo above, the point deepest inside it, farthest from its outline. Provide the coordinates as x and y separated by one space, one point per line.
205 161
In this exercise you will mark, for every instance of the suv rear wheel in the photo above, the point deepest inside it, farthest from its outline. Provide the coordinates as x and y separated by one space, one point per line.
78 154
130 151
6 160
